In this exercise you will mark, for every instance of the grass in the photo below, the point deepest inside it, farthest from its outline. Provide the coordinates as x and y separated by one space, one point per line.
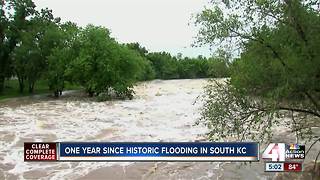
41 87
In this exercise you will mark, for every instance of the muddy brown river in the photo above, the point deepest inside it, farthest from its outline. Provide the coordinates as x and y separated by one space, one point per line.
161 111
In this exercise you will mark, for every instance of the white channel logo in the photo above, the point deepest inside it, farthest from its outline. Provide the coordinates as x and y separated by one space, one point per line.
275 152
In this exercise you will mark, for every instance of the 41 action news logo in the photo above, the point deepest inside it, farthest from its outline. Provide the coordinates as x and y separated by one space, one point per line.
279 152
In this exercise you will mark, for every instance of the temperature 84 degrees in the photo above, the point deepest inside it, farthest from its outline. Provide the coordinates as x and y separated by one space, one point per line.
293 166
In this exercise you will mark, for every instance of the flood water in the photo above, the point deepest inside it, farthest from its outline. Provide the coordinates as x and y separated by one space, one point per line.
161 111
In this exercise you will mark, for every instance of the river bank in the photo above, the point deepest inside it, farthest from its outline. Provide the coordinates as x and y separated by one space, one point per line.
160 111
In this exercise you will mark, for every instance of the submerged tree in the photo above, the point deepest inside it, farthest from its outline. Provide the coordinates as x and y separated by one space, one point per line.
148 71
278 72
60 57
101 63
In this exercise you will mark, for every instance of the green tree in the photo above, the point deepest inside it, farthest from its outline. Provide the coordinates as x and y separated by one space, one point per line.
166 66
192 68
217 68
27 62
61 56
140 49
4 59
187 68
13 20
277 72
103 65
35 44
148 71
128 70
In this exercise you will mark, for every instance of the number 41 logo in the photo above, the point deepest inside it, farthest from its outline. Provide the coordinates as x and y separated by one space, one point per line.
275 152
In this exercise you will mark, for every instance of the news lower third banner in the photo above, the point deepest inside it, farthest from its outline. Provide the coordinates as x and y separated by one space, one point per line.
152 151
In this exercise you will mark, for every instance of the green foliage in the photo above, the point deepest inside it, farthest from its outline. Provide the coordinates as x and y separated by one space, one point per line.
138 48
168 67
41 87
188 68
57 65
13 20
60 58
277 72
218 68
91 58
148 72
193 68
288 67
27 61
165 66
102 63
229 113
37 46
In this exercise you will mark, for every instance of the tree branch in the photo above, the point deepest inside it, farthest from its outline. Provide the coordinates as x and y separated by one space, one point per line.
314 102
299 110
262 41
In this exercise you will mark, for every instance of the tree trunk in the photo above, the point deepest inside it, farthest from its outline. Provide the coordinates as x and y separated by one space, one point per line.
56 93
2 80
90 92
21 84
31 87
21 87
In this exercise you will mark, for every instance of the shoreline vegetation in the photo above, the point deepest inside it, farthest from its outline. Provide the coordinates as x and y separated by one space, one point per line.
269 50
39 50
276 76
11 89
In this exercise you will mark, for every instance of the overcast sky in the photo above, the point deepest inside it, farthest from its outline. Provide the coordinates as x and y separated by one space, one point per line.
159 25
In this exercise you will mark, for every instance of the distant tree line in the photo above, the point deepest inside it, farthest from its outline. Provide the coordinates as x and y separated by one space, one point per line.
35 45
163 65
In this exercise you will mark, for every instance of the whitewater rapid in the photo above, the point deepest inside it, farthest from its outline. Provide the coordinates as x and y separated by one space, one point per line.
161 111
